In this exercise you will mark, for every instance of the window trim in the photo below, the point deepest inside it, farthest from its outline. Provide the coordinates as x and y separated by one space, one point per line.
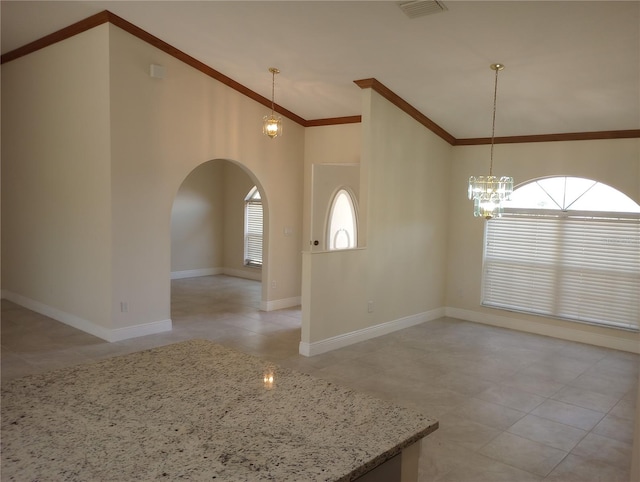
354 216
253 198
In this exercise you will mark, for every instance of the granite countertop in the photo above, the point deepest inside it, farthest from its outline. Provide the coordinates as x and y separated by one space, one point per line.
196 411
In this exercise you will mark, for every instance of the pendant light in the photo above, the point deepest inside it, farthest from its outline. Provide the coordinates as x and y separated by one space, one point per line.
489 192
272 124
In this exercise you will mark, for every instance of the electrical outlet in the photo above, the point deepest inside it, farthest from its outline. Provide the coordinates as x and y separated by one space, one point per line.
370 306
273 283
124 306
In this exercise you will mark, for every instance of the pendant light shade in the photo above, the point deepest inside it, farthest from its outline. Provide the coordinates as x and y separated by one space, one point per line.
489 192
272 124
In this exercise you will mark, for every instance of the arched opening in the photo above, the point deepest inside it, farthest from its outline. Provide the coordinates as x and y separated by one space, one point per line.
568 248
208 244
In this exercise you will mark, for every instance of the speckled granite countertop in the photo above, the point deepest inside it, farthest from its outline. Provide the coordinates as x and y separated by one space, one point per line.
195 411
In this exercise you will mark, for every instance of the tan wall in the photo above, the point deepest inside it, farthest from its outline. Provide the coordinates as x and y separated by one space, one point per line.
613 162
100 150
402 265
162 129
635 457
197 220
236 187
56 180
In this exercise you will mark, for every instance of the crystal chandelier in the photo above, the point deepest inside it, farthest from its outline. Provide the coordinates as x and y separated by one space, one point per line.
489 192
272 124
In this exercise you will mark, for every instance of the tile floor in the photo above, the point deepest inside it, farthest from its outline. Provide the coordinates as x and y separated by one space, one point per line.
512 406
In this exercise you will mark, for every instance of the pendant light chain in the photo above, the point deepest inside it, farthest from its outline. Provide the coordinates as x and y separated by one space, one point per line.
272 124
273 87
489 192
493 128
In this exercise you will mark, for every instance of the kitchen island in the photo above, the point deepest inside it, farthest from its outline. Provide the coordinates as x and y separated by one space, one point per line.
199 411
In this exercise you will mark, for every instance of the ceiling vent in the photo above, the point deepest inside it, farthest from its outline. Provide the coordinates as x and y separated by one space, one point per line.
420 8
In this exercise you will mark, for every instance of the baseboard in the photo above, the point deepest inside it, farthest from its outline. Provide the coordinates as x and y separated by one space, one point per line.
564 333
253 274
144 329
87 326
340 341
280 304
194 273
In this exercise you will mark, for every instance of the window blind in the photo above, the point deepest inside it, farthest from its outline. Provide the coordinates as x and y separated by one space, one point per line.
253 234
579 268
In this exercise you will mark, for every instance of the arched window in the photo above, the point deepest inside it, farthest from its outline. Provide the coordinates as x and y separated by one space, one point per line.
569 248
253 228
343 228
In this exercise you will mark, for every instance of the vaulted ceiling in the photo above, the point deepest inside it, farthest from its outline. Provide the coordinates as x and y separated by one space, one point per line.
571 66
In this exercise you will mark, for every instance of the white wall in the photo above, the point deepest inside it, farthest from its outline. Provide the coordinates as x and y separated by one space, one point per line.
613 162
56 181
404 169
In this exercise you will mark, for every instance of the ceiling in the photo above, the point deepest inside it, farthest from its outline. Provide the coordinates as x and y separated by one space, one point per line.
570 66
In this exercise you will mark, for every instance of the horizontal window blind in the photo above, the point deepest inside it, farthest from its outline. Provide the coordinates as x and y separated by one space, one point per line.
582 269
253 234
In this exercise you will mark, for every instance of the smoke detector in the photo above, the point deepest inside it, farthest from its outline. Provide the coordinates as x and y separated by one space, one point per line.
420 8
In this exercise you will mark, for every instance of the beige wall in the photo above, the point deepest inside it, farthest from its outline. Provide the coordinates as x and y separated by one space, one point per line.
635 457
402 265
98 154
613 162
56 180
197 220
236 187
161 130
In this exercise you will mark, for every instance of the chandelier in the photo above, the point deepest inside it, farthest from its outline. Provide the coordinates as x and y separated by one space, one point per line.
489 192
272 124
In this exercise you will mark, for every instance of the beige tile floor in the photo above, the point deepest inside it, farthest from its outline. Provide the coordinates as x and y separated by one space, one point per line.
512 406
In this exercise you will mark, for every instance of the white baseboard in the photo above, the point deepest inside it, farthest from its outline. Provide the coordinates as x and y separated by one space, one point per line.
280 304
194 273
564 333
144 329
340 341
87 326
253 274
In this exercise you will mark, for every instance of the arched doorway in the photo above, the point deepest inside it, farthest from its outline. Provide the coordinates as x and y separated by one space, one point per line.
208 238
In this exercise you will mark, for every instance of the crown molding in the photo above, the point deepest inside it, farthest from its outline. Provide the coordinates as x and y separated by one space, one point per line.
569 136
62 34
106 16
371 83
403 105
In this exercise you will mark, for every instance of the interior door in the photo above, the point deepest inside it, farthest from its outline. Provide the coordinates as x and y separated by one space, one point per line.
326 179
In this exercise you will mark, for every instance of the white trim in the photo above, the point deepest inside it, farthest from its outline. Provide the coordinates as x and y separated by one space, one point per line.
87 326
251 273
144 329
254 274
194 273
346 339
280 304
564 333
